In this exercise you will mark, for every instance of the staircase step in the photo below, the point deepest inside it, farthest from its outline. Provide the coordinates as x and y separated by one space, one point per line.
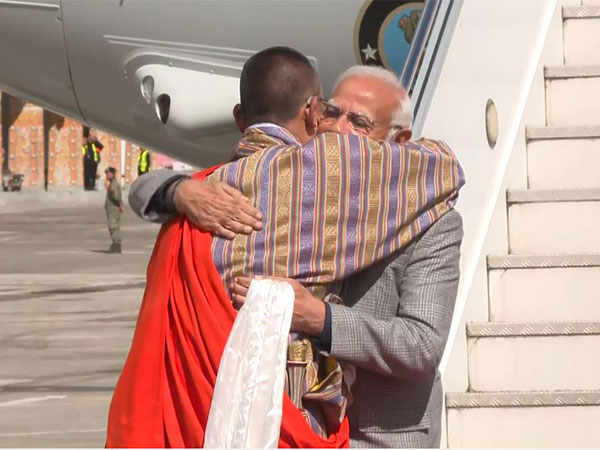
552 195
572 132
533 356
522 329
572 72
554 221
561 419
573 95
543 261
581 12
563 157
547 288
581 34
522 399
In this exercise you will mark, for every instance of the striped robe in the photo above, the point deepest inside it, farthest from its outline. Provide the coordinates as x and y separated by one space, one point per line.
333 206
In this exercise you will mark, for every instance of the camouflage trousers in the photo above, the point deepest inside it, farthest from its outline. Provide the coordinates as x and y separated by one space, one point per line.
113 219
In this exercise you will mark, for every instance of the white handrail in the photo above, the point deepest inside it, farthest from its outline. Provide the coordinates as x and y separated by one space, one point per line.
470 74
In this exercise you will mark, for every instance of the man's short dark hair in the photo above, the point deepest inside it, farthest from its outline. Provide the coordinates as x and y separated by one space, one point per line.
274 84
111 170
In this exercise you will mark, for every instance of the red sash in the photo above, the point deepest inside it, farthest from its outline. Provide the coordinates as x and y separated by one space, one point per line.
164 392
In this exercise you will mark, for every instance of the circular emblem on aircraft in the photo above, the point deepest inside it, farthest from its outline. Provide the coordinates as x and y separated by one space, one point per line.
384 31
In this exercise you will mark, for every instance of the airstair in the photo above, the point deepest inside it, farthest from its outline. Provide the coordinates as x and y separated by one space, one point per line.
534 366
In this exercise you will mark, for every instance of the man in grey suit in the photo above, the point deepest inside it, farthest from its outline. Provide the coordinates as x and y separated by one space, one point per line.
395 316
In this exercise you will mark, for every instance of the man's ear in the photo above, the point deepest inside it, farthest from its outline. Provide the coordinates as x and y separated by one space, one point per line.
238 115
311 116
402 136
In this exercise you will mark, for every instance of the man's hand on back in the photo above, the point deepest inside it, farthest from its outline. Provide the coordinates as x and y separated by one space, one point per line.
217 207
309 311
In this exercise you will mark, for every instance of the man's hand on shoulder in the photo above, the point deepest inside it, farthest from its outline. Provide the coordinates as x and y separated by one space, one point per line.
217 207
309 311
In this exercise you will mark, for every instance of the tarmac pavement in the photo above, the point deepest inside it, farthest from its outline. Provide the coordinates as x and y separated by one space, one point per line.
67 316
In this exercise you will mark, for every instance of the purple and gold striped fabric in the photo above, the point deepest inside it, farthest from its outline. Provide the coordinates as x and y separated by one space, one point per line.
333 206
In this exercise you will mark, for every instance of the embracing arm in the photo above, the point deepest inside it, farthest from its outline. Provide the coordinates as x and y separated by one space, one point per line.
216 207
412 343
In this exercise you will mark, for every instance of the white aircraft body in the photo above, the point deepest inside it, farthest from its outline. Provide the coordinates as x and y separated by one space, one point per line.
165 73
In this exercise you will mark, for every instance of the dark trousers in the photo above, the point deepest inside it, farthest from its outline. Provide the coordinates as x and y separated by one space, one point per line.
90 168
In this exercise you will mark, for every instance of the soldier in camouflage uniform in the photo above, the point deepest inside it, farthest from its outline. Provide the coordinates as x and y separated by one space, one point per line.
114 209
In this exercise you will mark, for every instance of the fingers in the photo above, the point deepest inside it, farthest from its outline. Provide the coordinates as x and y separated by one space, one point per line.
243 204
218 208
243 282
239 291
241 285
236 226
239 221
249 209
250 215
237 301
218 223
207 223
233 192
221 232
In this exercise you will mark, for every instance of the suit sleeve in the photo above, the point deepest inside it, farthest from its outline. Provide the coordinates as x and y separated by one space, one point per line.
146 196
412 343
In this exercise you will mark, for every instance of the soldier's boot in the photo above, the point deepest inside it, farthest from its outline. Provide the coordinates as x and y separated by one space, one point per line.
114 248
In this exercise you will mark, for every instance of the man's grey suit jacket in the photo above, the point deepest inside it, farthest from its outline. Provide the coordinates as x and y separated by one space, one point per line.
143 189
393 327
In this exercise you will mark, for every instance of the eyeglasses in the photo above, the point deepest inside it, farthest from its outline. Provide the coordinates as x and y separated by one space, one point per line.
358 121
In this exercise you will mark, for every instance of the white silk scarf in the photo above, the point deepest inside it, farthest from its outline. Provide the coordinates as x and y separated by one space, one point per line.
246 407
